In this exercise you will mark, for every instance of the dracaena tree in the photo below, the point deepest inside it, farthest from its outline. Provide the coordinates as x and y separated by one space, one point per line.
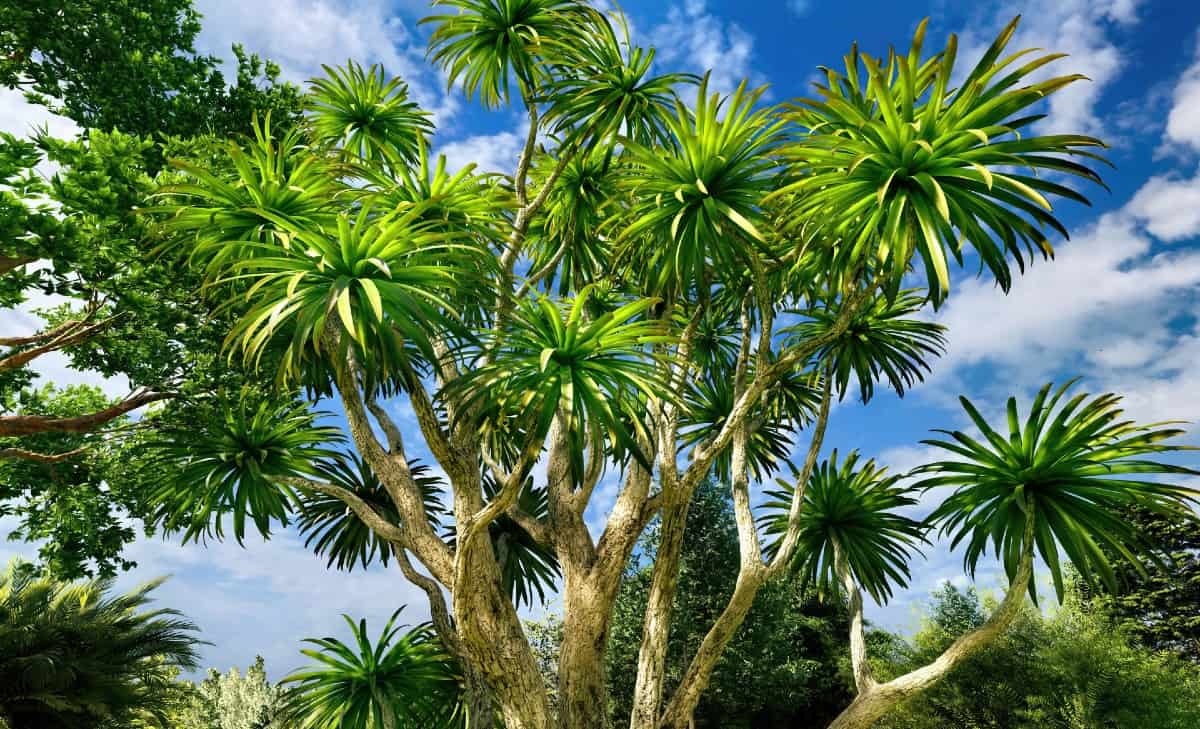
671 281
1056 484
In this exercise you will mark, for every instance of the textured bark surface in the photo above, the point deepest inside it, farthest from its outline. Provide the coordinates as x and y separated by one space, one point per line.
652 655
494 642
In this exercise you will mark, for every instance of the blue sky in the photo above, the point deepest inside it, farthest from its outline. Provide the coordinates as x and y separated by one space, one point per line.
1120 305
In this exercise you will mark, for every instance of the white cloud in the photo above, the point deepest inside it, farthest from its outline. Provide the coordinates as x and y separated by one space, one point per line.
695 40
1183 122
301 35
22 118
490 152
1102 286
266 598
799 7
1169 207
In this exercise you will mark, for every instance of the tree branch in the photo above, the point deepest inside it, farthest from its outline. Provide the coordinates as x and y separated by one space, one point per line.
863 679
69 333
872 704
15 425
21 453
394 533
9 263
790 538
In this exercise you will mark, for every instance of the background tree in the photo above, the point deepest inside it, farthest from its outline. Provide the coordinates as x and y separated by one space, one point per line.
1158 600
131 65
74 655
230 700
789 649
127 74
1075 668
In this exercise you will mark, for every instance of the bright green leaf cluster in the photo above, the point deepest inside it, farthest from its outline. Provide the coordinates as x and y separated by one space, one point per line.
1074 469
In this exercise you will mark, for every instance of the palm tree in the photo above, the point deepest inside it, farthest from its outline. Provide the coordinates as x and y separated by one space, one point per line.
74 656
1060 481
402 681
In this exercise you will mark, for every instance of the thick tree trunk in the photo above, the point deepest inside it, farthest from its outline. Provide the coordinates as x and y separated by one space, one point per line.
496 646
480 712
582 682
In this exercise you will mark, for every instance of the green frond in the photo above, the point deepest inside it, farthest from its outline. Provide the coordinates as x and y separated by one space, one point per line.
365 114
891 165
602 87
331 529
884 341
407 676
236 467
550 358
487 43
1075 465
695 203
76 655
853 507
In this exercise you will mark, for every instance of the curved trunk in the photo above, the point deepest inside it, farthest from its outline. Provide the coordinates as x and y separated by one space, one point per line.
875 700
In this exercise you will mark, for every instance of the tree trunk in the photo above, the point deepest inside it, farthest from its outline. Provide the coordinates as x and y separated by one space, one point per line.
876 699
491 634
582 682
480 714
652 655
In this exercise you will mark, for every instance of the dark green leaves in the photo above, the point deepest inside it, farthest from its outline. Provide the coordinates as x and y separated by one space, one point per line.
852 507
332 530
237 466
1074 465
884 340
404 679
895 165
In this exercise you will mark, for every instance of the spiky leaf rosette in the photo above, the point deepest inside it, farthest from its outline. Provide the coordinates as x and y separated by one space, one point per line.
1075 466
785 407
603 87
894 164
332 530
464 202
564 236
383 281
488 42
236 466
854 507
366 114
404 679
271 186
697 201
884 340
549 358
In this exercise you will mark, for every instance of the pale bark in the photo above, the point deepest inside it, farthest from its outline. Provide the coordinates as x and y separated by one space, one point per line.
874 700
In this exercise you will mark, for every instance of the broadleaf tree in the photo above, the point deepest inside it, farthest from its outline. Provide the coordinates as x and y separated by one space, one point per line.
671 280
